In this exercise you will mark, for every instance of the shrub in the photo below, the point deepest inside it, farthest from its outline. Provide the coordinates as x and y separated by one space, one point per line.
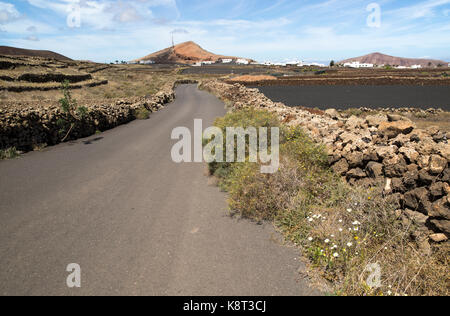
142 114
74 113
248 117
9 153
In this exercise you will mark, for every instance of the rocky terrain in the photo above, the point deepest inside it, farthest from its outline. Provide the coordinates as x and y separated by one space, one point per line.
382 59
410 163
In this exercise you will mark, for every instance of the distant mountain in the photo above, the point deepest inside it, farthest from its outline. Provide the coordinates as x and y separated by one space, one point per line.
13 51
381 59
185 53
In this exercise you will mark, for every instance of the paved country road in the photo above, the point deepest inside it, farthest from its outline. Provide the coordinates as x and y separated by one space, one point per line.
136 222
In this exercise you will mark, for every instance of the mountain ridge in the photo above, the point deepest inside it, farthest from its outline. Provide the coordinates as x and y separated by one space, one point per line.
14 51
383 59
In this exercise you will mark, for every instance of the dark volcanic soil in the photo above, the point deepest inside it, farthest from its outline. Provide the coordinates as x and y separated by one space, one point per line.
345 97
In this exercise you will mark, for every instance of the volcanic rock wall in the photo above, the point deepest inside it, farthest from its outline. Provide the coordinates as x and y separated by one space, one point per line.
412 164
27 128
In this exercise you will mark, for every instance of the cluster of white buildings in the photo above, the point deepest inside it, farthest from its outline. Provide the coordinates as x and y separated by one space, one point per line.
357 64
294 63
412 67
142 62
239 61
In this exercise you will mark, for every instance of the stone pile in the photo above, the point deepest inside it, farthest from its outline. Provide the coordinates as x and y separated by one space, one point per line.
412 164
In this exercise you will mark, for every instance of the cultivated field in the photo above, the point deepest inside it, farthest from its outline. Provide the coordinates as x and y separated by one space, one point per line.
374 97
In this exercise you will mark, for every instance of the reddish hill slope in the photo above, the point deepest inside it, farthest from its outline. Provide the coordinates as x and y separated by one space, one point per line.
185 53
382 59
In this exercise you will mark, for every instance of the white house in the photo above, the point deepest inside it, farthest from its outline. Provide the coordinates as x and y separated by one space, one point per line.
227 60
314 64
416 66
242 61
357 64
293 63
146 62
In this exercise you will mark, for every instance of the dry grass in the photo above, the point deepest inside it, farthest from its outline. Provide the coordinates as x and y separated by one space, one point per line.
341 229
249 79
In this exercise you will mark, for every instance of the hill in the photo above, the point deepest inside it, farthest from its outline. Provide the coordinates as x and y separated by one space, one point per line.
382 59
13 51
184 53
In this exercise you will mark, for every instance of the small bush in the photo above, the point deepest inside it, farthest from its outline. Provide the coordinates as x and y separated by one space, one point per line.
142 114
245 118
74 113
9 153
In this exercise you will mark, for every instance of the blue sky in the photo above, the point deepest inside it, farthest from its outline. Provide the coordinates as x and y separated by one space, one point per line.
277 30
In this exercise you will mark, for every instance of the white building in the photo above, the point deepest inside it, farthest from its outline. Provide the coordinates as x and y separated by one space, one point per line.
314 64
292 63
242 61
357 64
146 62
416 67
227 61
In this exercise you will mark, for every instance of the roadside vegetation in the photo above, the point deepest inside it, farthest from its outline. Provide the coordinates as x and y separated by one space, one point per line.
74 113
9 153
352 236
142 114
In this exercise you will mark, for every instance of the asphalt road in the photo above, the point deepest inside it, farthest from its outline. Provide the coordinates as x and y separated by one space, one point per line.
345 97
136 222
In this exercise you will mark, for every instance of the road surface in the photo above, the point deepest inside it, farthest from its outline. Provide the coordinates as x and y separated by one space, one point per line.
135 222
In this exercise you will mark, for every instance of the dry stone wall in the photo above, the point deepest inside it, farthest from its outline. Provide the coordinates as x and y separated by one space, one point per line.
27 128
412 164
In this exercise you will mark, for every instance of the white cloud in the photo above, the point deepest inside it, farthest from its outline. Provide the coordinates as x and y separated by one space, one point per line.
105 14
421 10
8 13
32 38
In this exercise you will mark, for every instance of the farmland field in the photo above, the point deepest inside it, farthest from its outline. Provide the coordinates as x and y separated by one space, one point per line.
344 97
